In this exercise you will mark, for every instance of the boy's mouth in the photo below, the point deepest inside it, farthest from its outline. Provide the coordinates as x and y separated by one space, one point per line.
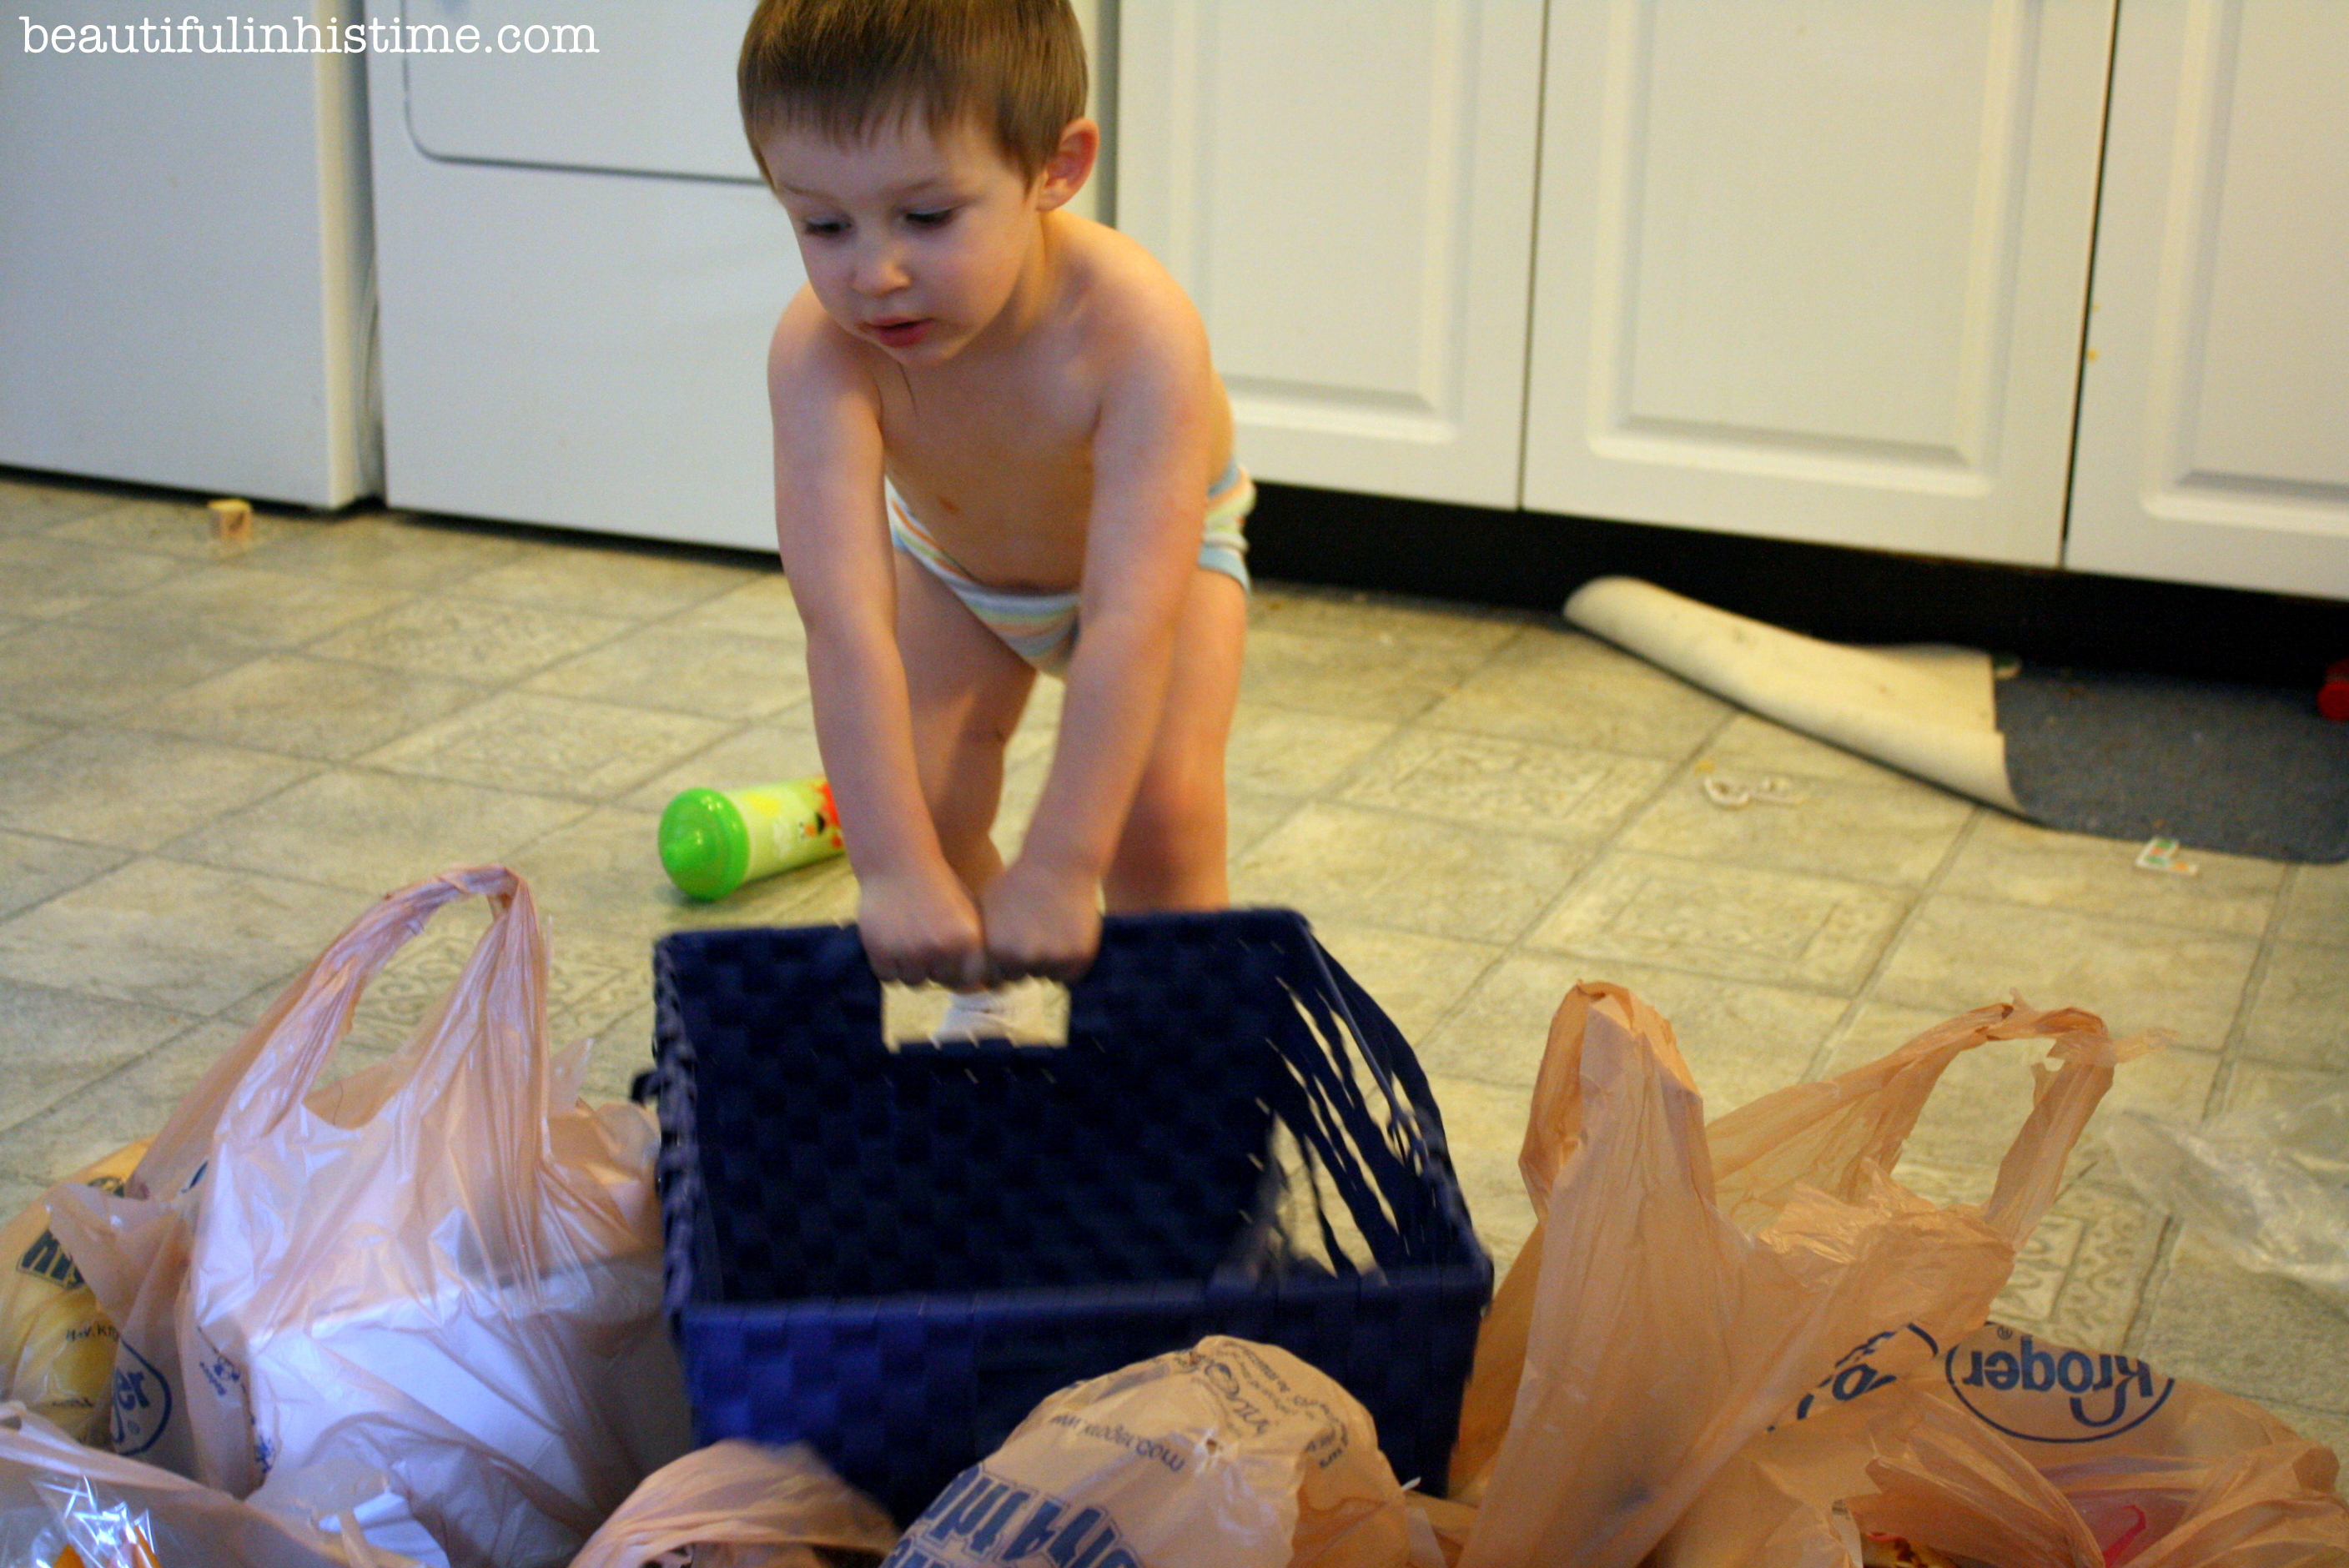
900 334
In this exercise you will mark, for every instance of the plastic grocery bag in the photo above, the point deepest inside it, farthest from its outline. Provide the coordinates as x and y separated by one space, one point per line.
1685 1286
442 1268
2013 1449
56 1348
2269 1185
1228 1455
742 1505
61 1502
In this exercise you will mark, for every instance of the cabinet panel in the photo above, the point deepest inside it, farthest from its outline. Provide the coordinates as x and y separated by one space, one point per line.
1345 189
2216 398
1816 270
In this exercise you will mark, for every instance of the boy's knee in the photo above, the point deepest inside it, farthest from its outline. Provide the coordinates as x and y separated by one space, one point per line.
1175 828
1175 803
1170 860
972 743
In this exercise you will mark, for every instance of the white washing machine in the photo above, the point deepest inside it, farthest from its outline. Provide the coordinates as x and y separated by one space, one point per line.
579 271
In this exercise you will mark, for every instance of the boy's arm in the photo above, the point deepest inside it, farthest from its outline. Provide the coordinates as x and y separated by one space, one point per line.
1152 452
915 918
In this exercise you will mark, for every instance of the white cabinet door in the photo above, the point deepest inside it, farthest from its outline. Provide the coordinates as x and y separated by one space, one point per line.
1345 188
1815 269
2214 409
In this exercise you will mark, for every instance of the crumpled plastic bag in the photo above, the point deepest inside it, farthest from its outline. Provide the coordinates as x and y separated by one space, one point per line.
735 1504
57 1495
1228 1455
2267 1184
443 1267
1687 1285
2014 1451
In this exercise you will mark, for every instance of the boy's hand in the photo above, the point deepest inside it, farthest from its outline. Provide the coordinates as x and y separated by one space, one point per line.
1042 923
921 930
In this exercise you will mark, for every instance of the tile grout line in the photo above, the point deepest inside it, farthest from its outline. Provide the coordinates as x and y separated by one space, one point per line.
1606 842
1331 789
357 763
1923 893
1331 792
2223 1085
176 1037
301 647
319 768
452 589
2232 1048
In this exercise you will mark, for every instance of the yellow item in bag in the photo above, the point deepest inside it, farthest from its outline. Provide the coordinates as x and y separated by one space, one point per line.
56 1348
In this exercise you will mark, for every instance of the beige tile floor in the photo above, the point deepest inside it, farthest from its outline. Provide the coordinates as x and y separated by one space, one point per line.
209 759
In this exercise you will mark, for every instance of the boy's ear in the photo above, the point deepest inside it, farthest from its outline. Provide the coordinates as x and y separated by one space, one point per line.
1070 166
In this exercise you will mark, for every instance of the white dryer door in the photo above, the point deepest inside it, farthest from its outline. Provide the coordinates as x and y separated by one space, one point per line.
619 86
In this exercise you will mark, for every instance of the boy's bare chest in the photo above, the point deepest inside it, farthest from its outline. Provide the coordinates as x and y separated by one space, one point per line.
1001 478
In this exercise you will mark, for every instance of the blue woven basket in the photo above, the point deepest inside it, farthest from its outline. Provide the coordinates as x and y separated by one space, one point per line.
896 1252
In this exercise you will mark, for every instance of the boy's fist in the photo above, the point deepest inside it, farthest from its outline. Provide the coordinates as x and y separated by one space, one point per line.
922 933
1042 923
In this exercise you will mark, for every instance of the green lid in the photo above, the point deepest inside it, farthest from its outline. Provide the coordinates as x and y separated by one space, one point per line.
704 844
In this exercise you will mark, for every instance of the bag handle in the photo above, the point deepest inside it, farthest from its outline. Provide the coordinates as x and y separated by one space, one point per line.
265 1077
1831 1133
2061 1099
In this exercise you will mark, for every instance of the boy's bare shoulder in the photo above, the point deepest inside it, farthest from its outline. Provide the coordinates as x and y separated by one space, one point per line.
1133 310
810 358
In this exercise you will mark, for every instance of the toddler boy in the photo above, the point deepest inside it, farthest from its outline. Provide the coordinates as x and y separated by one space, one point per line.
1001 448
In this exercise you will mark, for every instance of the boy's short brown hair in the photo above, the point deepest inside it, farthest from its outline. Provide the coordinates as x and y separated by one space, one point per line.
842 66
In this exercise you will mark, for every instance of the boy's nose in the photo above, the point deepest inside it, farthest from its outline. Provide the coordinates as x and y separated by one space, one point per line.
879 270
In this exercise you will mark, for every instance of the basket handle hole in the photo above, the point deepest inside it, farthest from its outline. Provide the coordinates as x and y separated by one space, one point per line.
1024 1013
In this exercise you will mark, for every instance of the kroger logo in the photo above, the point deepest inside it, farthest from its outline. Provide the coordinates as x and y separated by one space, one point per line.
1855 1372
2081 1397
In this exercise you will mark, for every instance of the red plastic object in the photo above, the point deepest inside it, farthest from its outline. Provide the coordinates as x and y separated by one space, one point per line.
2333 696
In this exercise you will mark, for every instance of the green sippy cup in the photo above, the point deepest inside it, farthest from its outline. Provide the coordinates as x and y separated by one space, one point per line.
714 840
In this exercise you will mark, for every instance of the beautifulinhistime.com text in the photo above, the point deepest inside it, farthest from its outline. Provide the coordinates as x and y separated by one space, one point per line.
233 34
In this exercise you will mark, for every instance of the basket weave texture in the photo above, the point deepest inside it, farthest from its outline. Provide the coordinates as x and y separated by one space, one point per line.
896 1252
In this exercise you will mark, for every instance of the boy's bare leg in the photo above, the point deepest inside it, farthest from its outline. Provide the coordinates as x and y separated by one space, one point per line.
967 692
1172 853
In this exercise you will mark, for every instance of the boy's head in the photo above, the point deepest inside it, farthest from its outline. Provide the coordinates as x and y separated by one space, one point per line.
1014 68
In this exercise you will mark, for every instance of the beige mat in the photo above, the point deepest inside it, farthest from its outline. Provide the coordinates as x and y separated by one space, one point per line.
1930 710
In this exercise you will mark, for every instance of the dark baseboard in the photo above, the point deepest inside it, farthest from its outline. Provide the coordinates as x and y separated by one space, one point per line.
1528 561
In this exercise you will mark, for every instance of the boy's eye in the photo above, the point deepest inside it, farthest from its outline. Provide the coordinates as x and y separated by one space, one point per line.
823 228
933 218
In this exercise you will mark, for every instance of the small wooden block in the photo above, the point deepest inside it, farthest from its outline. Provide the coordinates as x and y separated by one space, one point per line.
233 519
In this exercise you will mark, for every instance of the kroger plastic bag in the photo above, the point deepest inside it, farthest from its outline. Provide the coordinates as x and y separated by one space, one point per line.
62 1505
2268 1184
1228 1455
735 1504
443 1268
1685 1286
56 1348
2011 1450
